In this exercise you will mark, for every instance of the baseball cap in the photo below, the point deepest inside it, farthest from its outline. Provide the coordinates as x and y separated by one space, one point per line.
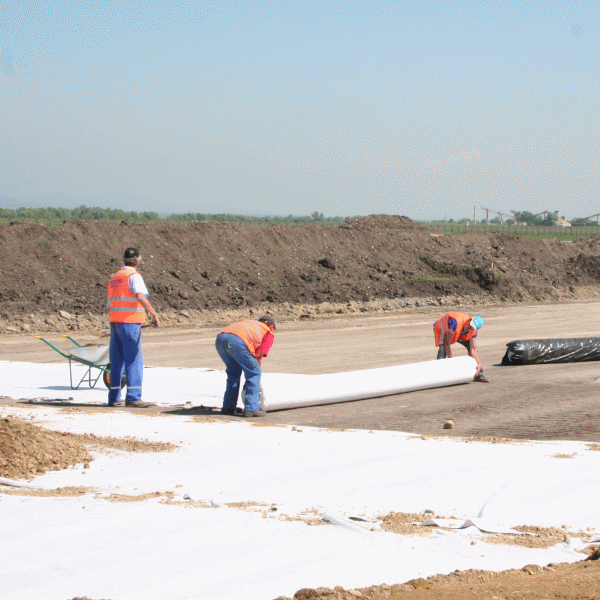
131 253
477 322
268 320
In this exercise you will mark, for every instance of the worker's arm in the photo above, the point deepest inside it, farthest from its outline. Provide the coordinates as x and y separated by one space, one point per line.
473 352
148 307
448 350
265 346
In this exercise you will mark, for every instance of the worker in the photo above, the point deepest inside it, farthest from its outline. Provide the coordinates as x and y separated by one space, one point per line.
127 306
459 327
242 346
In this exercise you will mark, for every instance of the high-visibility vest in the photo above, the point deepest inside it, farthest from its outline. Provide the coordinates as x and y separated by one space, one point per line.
251 332
123 306
462 320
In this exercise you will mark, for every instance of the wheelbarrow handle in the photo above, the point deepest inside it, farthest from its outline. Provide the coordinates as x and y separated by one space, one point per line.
70 338
37 337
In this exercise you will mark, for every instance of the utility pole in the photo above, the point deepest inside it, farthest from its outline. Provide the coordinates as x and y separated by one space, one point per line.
474 217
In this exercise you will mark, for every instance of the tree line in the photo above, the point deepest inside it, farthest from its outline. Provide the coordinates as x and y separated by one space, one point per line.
86 213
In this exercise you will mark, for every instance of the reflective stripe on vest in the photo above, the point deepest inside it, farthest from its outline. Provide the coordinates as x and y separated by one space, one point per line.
251 332
123 306
462 320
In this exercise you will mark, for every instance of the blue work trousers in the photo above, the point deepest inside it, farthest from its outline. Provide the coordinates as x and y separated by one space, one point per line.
238 358
442 350
126 355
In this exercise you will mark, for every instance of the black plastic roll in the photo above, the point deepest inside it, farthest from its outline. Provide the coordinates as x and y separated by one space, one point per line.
559 350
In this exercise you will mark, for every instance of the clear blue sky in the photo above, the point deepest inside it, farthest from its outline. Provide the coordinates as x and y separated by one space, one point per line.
420 108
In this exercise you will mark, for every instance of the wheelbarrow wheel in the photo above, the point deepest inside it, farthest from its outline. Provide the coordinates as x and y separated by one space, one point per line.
106 378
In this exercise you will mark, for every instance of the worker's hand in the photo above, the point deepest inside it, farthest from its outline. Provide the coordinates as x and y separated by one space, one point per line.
479 369
154 322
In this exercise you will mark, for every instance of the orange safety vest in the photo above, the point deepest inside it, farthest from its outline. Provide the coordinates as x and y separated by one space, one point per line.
123 306
251 332
462 320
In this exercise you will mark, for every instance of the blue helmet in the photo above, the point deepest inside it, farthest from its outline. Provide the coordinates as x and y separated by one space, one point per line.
476 322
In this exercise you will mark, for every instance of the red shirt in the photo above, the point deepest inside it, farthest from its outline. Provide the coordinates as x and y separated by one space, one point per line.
266 343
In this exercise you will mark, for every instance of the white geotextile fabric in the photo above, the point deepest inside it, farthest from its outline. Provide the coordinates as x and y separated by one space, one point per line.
234 487
205 387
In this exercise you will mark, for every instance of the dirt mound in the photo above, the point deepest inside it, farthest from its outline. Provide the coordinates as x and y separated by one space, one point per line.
202 267
569 581
27 450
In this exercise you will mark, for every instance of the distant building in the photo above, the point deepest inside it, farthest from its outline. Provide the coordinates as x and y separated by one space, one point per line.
562 222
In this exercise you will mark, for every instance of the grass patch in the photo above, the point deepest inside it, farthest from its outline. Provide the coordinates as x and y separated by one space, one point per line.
437 278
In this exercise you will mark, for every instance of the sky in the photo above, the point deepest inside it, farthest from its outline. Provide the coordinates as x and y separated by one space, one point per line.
429 109
244 500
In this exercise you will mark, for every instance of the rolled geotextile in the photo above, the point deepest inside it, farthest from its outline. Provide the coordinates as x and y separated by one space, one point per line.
295 391
553 350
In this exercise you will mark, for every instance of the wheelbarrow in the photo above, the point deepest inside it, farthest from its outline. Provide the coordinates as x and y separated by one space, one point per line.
93 356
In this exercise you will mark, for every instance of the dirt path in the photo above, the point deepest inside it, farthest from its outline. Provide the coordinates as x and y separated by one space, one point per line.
529 402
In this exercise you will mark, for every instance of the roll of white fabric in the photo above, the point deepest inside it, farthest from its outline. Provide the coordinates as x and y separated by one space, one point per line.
294 391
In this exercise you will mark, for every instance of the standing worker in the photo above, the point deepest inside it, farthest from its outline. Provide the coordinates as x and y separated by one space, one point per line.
459 327
242 346
127 305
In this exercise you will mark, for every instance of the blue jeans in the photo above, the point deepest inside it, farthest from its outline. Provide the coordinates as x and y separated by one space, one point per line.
238 358
126 355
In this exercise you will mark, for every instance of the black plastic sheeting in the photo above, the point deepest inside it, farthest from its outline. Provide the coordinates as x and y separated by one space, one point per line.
559 350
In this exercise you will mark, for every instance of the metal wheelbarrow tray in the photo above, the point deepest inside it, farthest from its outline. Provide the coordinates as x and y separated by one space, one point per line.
94 356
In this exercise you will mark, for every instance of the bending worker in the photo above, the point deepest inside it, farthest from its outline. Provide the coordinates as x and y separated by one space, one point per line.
242 346
459 327
127 305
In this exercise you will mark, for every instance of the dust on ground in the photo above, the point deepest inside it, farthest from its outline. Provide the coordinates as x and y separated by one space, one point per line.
528 536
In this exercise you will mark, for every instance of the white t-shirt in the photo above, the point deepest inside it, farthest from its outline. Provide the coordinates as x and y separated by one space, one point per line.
137 284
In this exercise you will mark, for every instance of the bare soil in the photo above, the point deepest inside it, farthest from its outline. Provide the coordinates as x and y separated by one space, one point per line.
52 278
395 274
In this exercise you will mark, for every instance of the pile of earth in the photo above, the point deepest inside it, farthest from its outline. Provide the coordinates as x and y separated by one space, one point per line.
28 450
55 277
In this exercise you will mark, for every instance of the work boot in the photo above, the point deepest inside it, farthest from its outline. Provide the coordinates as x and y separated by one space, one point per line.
248 414
481 379
228 411
140 404
117 403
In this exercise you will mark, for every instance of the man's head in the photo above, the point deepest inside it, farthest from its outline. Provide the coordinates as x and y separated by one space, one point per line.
268 320
131 257
476 323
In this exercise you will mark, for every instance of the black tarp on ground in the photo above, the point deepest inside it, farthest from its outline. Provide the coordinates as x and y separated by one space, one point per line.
559 350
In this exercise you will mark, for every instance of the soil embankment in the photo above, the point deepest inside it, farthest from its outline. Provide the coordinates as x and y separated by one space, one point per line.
54 278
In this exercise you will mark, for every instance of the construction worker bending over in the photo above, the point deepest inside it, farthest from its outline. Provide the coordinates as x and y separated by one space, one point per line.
242 346
459 327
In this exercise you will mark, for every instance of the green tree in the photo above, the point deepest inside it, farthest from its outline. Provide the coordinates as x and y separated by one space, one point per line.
527 217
